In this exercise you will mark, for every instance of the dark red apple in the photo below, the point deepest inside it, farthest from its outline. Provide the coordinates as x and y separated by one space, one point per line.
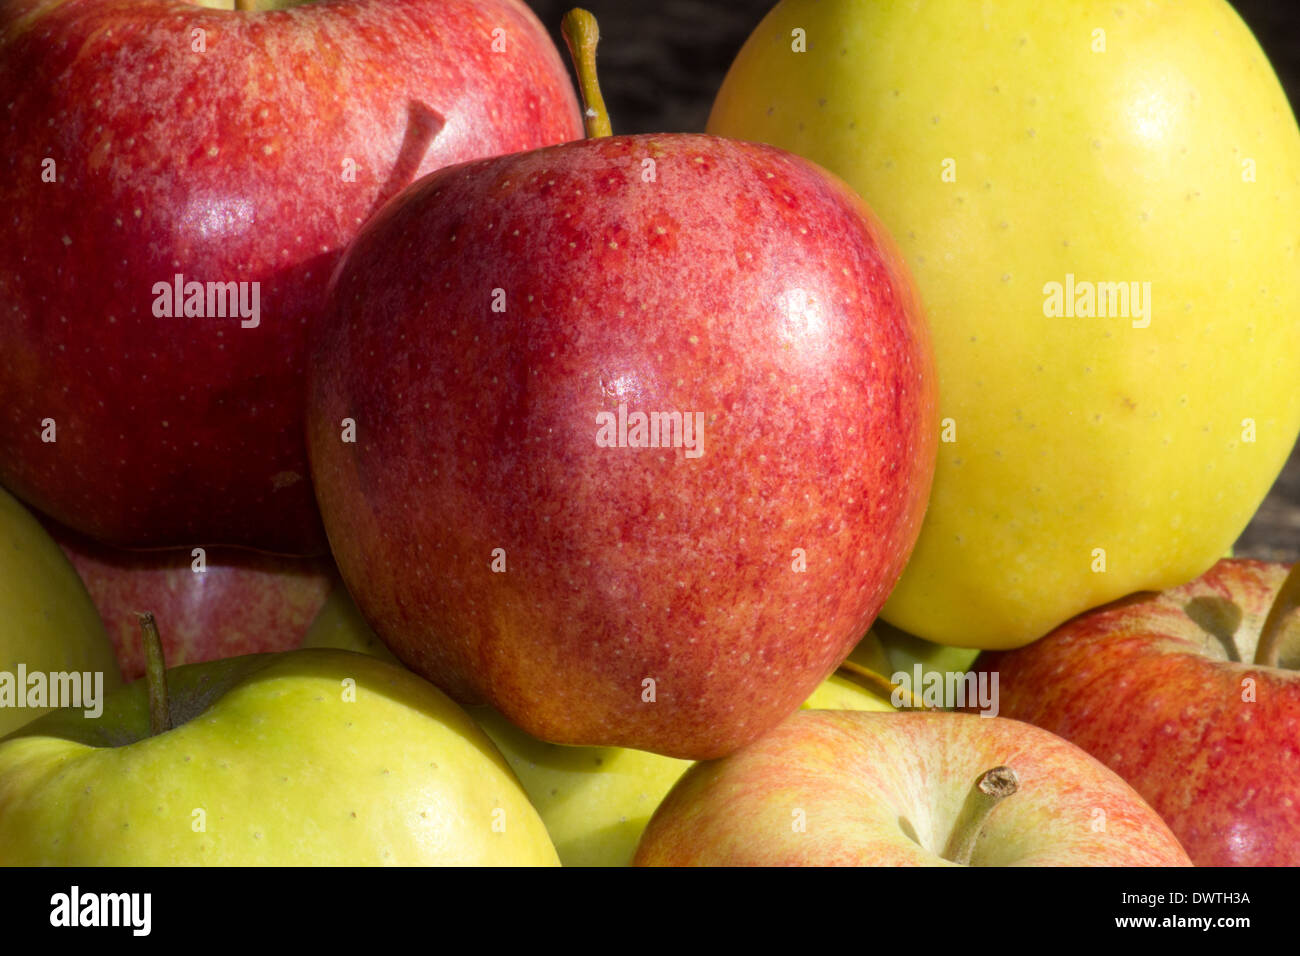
494 331
1179 694
224 602
145 139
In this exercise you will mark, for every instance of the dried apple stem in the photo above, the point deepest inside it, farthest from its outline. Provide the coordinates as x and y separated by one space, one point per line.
992 787
246 6
880 684
582 34
155 675
1281 620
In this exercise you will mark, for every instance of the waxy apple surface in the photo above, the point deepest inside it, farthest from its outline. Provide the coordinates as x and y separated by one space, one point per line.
624 596
1087 452
224 147
47 620
1160 688
240 602
841 788
595 801
314 757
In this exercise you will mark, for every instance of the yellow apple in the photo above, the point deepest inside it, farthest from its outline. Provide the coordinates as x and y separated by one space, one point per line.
904 651
47 621
595 801
1034 161
309 757
842 692
339 624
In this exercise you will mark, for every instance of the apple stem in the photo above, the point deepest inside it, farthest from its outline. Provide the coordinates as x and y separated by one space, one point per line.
1279 623
155 671
992 787
880 684
581 33
246 6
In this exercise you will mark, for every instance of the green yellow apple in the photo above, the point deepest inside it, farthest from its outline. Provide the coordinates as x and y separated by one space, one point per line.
903 651
1018 150
308 757
47 621
595 801
340 625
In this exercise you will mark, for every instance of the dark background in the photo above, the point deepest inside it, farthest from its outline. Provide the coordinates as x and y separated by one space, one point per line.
662 61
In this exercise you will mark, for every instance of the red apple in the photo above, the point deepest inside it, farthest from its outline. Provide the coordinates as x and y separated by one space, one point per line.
675 599
1173 692
851 788
225 147
223 603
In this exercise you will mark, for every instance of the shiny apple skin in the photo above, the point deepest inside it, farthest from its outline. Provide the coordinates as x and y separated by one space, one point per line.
886 790
244 603
222 166
476 430
1139 685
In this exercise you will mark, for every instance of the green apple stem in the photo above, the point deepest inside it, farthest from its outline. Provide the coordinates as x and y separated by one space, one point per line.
880 684
1281 620
582 34
992 787
155 675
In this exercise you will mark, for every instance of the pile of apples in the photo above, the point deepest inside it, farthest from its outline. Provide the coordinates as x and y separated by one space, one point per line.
453 488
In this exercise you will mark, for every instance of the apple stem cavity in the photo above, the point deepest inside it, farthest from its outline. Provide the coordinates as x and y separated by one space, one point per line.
1281 620
155 675
881 685
581 34
992 787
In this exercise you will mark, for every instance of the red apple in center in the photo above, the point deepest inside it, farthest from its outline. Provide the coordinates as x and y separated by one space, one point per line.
629 437
145 140
1190 695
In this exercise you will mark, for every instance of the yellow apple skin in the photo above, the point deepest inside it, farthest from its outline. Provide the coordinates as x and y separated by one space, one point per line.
1132 164
339 624
595 801
839 692
285 768
47 620
904 651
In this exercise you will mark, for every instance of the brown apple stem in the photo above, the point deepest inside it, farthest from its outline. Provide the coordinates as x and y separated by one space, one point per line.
880 684
992 787
246 6
1281 620
582 34
155 675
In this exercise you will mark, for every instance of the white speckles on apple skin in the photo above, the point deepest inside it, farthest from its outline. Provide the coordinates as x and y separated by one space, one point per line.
224 165
614 552
1175 722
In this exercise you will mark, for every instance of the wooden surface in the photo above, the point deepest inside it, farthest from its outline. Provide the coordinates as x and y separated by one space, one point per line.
662 61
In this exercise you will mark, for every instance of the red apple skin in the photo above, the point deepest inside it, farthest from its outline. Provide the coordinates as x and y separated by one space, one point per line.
244 603
863 779
476 430
1139 686
226 165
